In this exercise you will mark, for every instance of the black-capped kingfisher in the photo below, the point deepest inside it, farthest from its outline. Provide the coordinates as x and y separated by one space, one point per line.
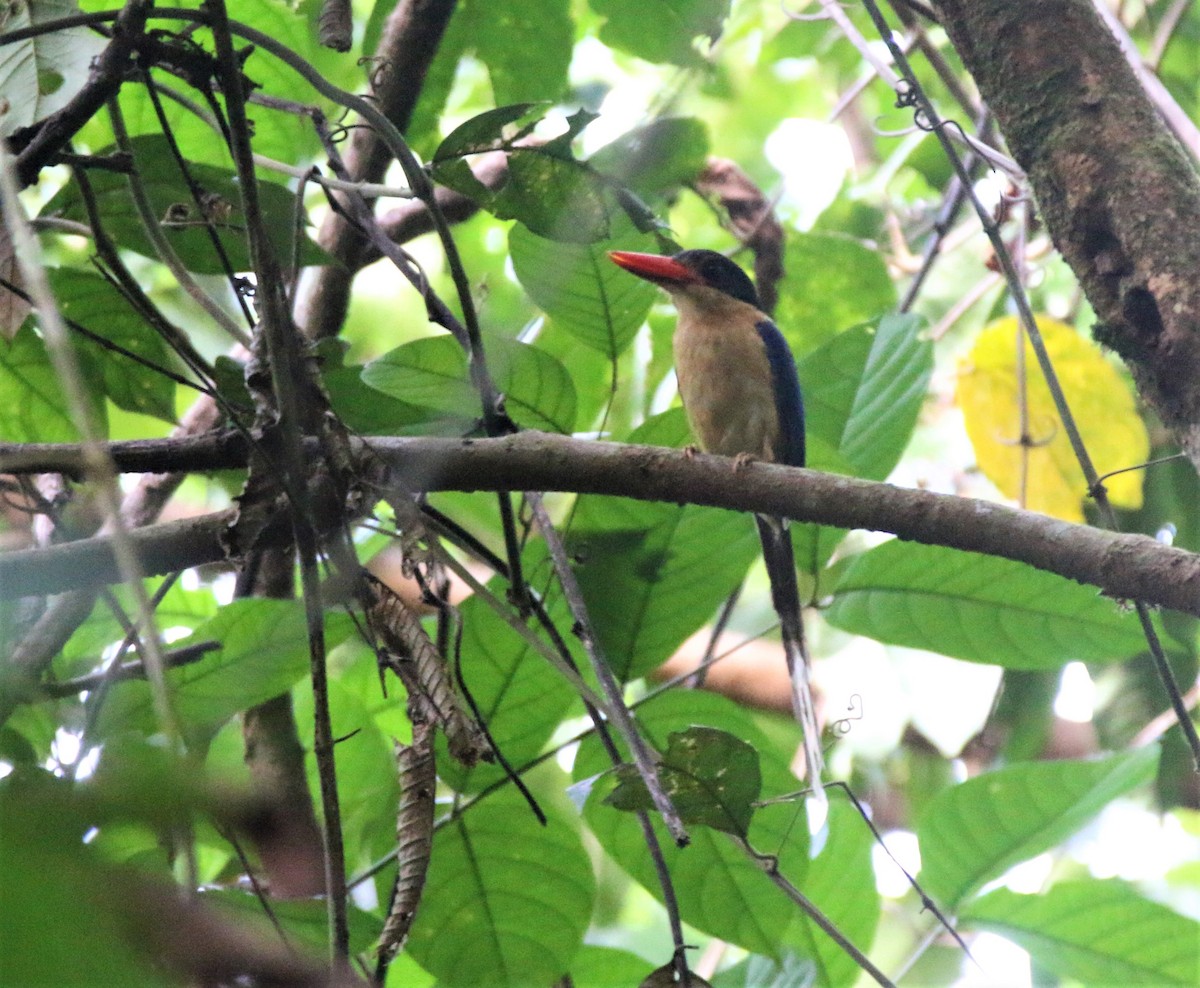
740 390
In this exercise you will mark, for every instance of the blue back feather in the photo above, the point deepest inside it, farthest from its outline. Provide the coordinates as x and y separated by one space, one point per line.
789 404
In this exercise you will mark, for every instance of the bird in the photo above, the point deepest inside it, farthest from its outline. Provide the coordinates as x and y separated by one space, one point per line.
741 394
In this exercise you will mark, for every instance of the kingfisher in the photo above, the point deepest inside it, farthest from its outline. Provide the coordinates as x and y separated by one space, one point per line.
741 393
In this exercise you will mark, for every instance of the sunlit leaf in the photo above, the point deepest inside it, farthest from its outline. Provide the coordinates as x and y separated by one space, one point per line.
95 304
864 389
1101 402
1095 932
979 608
50 67
974 832
432 372
34 409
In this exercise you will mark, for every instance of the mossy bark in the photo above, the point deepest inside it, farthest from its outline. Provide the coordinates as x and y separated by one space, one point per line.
1120 197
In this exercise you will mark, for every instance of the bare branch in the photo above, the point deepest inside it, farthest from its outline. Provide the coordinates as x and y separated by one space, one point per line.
1121 565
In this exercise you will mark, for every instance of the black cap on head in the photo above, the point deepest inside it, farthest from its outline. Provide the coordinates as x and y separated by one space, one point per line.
719 272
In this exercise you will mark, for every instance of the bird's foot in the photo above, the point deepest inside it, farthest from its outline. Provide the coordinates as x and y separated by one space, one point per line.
691 451
743 460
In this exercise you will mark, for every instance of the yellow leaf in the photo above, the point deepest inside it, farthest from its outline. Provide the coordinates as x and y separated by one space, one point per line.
1099 398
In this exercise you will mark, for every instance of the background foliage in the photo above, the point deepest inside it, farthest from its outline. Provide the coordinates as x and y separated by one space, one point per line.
998 721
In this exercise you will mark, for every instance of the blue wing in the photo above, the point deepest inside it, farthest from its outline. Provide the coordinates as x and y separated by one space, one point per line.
789 403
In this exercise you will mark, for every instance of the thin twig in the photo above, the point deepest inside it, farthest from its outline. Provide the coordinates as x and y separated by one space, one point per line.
769 864
617 709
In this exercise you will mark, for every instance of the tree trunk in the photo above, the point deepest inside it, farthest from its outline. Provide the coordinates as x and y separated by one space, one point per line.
1118 194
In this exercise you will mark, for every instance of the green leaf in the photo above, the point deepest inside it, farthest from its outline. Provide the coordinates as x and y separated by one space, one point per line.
648 589
368 411
661 30
432 373
976 831
556 198
305 923
864 389
545 187
264 652
656 158
520 696
607 967
979 608
42 74
92 302
648 572
34 409
578 287
756 971
368 787
720 889
490 130
181 221
48 875
507 901
833 283
525 44
710 776
842 882
1095 932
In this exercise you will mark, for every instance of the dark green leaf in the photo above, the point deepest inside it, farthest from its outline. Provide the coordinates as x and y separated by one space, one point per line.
647 590
181 220
711 777
582 290
92 302
979 608
1095 932
545 187
525 44
976 831
649 573
507 901
555 197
